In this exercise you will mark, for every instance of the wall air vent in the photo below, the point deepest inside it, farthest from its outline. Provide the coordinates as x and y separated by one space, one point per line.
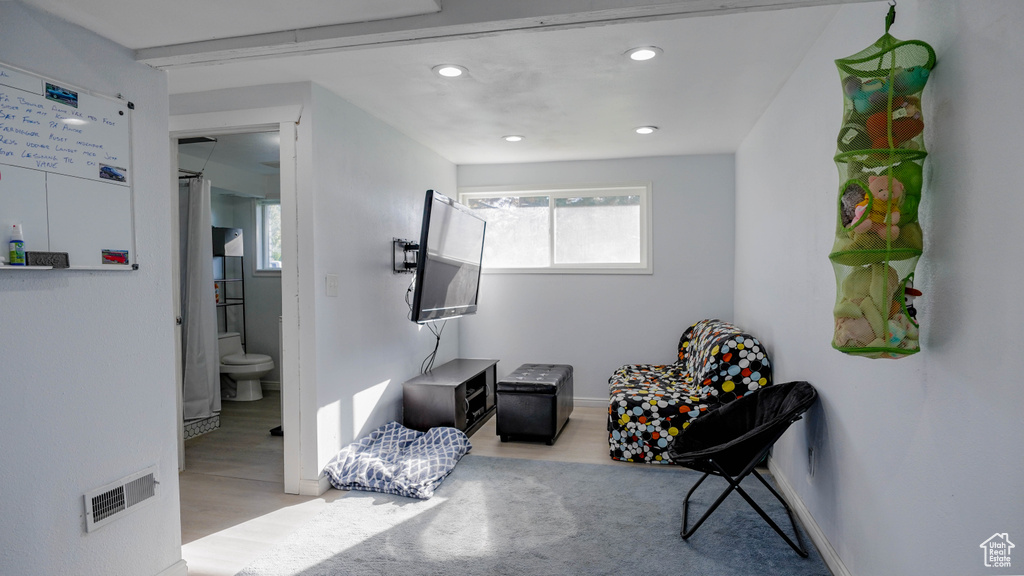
110 502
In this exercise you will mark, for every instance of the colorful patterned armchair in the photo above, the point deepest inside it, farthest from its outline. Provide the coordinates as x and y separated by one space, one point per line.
651 403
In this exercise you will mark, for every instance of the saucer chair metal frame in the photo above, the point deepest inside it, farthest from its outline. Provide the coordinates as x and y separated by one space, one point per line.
731 441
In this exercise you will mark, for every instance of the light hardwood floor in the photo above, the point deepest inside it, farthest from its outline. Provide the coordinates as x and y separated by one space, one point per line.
233 505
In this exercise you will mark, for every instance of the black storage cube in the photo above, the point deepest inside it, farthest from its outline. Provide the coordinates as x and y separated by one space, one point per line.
534 402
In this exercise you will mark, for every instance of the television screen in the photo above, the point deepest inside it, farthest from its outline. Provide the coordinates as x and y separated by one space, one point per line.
448 263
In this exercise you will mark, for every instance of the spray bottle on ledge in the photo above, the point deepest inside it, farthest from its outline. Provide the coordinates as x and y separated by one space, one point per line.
17 253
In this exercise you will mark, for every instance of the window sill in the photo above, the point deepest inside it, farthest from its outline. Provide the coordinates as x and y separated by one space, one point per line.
276 272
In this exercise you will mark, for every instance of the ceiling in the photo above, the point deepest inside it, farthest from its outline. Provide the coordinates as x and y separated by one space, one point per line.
146 23
553 71
256 152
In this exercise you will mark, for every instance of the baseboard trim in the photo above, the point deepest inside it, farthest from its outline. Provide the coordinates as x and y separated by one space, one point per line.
179 568
590 402
314 487
831 558
270 385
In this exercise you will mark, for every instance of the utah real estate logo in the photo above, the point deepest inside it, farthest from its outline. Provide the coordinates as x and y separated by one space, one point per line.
997 550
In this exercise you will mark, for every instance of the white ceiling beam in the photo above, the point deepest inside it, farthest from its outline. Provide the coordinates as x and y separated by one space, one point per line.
458 19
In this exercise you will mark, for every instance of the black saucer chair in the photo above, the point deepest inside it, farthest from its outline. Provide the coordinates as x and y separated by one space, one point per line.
732 440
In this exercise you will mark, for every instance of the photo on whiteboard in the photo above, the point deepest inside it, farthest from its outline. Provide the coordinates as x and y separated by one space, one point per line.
115 256
113 173
62 95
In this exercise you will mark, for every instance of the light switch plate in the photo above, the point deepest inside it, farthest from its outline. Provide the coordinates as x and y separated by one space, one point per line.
332 285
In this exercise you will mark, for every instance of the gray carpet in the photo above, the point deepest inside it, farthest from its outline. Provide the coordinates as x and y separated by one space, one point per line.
495 516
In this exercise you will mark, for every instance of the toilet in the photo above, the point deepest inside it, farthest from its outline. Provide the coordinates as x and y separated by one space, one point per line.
240 372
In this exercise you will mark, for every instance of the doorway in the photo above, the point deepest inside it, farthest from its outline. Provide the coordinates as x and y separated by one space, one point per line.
227 125
231 183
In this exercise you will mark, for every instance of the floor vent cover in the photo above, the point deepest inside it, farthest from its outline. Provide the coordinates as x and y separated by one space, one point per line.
110 502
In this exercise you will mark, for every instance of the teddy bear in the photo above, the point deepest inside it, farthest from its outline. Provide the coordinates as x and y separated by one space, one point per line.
883 196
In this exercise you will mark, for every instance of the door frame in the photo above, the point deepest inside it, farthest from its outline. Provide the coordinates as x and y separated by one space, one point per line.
285 120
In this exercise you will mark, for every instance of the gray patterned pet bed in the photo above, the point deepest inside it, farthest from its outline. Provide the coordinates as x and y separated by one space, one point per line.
394 459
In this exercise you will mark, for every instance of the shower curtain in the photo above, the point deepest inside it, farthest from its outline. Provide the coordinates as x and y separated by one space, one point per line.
201 373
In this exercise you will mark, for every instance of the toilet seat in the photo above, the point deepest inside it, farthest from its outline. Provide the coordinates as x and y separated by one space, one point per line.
240 372
244 359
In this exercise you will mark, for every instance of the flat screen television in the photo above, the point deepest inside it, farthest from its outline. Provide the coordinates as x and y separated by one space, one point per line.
448 262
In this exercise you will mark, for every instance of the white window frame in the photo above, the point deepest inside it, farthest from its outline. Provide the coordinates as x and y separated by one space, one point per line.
643 189
261 244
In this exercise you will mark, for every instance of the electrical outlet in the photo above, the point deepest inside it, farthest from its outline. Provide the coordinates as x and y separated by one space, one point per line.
332 286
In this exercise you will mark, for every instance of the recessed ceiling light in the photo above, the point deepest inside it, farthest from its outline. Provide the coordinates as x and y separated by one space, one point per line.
513 138
449 70
646 129
643 53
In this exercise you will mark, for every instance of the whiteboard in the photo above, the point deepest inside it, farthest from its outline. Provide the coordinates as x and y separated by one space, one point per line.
65 169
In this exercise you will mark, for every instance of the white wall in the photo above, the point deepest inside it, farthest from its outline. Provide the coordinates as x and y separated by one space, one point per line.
87 387
369 187
597 323
917 460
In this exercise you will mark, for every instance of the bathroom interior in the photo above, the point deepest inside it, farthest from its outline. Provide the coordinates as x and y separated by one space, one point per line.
229 246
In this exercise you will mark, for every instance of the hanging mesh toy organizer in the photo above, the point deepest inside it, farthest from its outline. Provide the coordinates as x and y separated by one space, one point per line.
880 153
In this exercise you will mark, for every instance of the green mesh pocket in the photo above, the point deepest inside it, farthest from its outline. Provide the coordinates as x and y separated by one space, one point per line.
879 153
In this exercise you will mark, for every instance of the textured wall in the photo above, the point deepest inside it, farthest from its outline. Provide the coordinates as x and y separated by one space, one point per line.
369 185
87 391
916 461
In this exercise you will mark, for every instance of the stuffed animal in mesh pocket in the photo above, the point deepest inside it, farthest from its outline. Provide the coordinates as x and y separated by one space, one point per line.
882 207
880 152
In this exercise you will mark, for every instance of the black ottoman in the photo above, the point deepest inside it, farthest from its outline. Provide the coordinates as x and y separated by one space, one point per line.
534 402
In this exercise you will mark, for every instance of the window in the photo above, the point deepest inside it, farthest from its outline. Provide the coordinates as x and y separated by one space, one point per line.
593 229
268 235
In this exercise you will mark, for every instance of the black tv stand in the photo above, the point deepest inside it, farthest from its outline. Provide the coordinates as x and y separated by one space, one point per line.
459 393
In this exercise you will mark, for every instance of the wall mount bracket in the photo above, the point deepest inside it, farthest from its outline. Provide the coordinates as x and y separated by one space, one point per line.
403 256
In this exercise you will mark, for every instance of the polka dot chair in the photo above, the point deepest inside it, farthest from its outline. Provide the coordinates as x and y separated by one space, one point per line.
651 403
